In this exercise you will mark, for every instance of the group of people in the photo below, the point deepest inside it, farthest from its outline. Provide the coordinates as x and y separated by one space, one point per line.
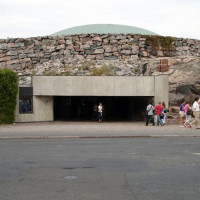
159 110
189 115
188 112
98 112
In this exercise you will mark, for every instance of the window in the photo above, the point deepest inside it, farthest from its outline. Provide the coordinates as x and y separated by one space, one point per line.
25 100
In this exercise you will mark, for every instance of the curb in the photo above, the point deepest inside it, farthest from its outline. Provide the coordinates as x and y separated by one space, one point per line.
98 137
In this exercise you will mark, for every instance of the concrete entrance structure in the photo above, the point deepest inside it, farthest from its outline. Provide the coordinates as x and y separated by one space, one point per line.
46 87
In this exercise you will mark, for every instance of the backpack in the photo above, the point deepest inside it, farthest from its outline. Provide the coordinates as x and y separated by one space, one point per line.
189 112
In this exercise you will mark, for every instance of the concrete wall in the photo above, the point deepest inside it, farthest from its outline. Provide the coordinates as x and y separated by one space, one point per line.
45 87
42 110
162 89
93 86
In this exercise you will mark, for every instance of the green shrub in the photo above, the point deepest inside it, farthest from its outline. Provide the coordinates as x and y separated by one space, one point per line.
8 95
103 70
165 42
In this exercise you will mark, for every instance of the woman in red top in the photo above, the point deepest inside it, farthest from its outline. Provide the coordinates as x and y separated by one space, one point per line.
159 109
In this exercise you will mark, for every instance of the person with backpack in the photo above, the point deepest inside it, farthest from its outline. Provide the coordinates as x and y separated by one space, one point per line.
149 114
159 109
164 113
188 113
182 114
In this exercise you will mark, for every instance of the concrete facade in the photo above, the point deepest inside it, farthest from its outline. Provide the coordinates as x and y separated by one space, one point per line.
42 110
45 87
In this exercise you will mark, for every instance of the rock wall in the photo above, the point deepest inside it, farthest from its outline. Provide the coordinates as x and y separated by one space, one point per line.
110 54
21 54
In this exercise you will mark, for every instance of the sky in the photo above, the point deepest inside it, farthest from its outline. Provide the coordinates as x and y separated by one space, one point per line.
31 18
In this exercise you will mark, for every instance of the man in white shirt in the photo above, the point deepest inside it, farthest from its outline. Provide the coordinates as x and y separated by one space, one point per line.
149 114
196 111
100 112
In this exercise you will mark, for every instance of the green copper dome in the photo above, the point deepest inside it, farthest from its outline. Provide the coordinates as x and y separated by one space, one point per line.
104 29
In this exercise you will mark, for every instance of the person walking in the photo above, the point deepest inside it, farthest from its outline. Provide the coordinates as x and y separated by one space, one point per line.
100 112
188 113
149 114
159 109
196 111
164 113
182 114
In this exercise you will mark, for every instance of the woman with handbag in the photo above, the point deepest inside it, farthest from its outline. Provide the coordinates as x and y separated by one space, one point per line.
188 113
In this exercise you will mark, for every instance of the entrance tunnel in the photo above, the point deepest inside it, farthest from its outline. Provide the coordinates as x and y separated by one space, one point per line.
81 108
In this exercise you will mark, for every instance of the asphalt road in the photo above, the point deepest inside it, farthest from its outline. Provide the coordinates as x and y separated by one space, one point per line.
96 169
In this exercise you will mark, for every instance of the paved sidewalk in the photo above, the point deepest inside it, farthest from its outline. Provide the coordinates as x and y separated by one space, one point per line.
52 130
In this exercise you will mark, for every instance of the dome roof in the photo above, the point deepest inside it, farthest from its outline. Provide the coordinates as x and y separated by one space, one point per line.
104 29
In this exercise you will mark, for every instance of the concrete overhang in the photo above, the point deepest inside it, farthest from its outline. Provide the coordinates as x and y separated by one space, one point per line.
93 86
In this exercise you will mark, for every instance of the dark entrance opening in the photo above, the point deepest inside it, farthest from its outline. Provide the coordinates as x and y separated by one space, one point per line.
81 108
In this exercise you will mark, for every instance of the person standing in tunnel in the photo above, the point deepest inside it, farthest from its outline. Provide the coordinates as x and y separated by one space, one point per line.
100 112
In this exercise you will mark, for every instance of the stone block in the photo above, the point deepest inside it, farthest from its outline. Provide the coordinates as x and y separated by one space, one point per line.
20 44
3 46
121 37
144 53
32 55
71 47
79 57
68 42
126 52
4 59
62 46
88 52
85 46
134 57
99 51
107 54
160 53
91 57
67 52
12 53
2 55
14 57
185 48
179 48
112 38
99 57
25 60
97 39
111 57
61 42
126 47
3 64
113 41
11 45
108 50
116 53
10 62
15 66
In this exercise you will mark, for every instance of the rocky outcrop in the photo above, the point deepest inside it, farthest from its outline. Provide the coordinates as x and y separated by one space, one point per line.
184 80
22 54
